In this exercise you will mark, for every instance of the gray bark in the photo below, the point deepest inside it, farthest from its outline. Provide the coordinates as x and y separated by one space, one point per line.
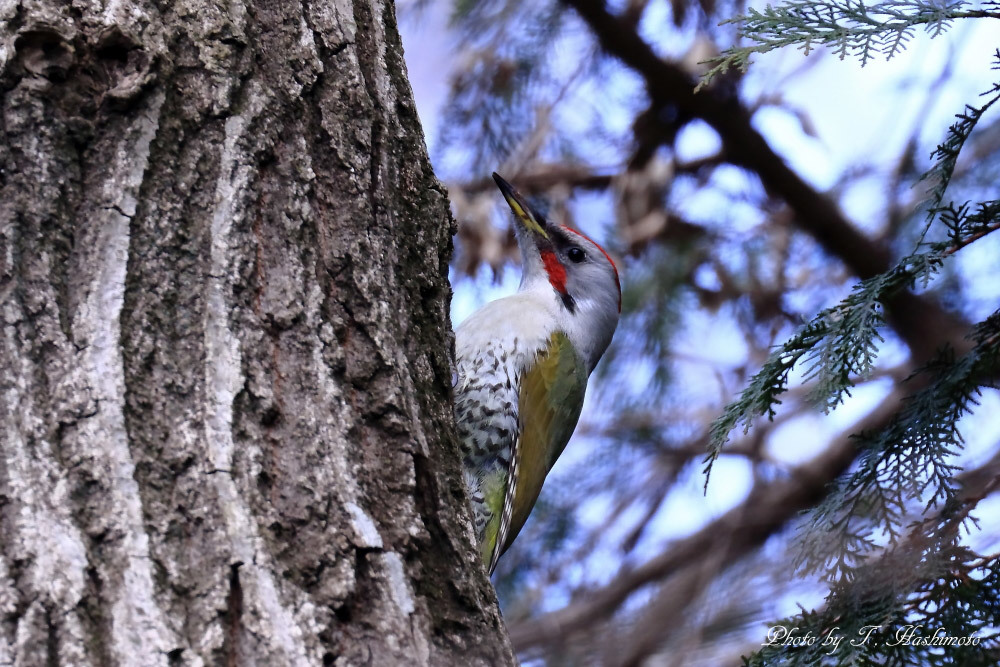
225 364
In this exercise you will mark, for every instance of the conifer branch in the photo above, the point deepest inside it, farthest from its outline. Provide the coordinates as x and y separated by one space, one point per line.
840 344
849 27
946 154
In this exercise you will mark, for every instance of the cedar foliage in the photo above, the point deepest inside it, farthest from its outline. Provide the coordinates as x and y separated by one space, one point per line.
889 536
849 27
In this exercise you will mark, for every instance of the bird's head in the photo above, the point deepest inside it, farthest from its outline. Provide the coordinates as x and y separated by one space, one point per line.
579 271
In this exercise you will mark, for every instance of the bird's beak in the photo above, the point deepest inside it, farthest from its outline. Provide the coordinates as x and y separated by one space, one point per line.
522 210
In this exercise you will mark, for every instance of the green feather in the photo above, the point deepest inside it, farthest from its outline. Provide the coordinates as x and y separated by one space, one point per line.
494 487
550 399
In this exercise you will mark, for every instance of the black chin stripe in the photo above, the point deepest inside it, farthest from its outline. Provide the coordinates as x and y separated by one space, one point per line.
568 302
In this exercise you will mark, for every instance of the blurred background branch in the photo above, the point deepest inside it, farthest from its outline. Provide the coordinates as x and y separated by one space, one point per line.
747 216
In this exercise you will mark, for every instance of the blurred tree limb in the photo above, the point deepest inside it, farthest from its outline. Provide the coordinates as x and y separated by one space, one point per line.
923 324
682 587
766 510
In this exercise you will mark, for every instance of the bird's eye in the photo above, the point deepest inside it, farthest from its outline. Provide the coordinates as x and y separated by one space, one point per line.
576 255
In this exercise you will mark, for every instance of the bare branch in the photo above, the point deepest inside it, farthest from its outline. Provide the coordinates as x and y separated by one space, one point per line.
920 322
766 510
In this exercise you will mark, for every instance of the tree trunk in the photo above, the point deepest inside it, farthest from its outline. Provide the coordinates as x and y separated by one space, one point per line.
225 366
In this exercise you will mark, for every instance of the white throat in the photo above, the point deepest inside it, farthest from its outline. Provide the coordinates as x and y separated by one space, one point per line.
589 327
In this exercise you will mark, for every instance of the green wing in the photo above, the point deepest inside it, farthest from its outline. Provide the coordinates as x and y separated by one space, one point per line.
549 402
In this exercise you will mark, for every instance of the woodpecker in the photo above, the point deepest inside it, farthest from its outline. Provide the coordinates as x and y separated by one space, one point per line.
523 364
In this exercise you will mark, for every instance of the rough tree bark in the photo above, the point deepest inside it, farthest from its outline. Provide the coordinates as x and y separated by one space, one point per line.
225 365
